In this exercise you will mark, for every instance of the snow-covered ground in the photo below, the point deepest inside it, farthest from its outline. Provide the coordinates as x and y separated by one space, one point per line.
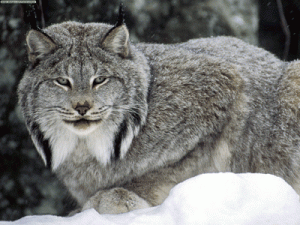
222 198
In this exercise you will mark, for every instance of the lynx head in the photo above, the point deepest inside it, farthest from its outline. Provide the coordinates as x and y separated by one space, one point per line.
85 84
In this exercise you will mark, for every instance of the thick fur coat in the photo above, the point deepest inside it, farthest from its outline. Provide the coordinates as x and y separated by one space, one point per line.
121 124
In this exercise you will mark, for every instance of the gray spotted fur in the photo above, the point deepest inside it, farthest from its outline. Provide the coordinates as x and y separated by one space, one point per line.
167 112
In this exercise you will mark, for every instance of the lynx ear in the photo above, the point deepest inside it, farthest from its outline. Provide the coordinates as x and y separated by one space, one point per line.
39 44
117 41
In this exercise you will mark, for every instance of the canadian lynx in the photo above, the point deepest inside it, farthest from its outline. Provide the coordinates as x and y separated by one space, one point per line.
120 123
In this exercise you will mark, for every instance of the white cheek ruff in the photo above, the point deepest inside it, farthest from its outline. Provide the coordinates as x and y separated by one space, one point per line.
103 141
62 143
126 142
123 138
100 143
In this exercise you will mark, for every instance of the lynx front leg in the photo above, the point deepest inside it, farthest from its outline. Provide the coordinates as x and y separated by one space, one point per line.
143 192
155 186
154 189
115 200
146 191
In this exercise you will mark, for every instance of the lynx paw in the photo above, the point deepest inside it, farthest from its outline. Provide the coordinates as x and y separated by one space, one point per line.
116 200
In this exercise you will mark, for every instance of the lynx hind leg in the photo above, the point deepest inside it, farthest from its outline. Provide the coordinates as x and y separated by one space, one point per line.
114 201
289 100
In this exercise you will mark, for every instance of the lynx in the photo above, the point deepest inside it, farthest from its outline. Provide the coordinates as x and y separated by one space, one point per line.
120 124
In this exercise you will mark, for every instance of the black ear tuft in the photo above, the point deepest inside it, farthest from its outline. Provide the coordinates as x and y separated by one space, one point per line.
121 17
31 16
117 38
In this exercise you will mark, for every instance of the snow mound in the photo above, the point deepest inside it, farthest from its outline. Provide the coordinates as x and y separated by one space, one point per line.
220 198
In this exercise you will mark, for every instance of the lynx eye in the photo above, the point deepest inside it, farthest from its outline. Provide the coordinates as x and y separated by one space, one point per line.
99 81
63 82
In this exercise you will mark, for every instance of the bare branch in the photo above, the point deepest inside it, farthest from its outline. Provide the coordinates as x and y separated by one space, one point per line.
286 30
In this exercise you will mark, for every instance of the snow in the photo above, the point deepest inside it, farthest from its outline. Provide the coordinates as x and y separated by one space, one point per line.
220 198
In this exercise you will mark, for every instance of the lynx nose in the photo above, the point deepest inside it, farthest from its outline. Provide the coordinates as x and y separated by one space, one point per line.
82 108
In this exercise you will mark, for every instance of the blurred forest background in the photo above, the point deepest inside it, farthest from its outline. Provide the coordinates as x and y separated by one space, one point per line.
26 186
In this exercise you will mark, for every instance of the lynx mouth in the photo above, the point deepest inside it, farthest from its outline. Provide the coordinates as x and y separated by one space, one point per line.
82 123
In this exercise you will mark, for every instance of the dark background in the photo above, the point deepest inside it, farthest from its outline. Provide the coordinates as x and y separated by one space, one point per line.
26 186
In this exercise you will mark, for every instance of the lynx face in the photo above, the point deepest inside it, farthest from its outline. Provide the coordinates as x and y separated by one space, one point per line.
82 102
85 86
